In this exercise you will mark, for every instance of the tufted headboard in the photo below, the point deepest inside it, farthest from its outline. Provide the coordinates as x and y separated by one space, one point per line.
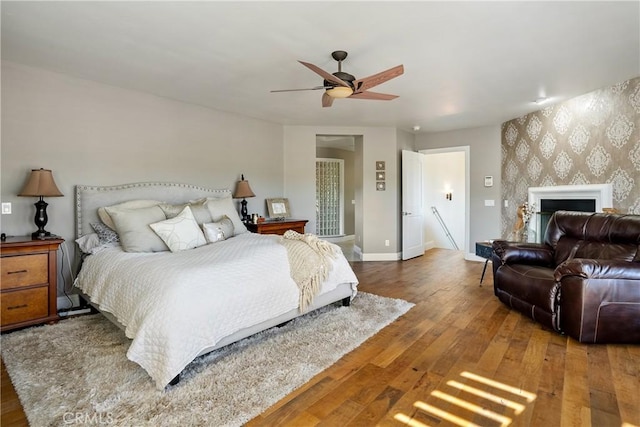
89 198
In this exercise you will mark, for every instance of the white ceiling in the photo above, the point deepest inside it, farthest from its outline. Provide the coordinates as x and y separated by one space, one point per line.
466 64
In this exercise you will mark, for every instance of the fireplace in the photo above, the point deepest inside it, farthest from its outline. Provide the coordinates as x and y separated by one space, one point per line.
547 200
549 206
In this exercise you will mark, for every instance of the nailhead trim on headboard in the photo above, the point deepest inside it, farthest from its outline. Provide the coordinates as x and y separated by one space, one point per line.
170 193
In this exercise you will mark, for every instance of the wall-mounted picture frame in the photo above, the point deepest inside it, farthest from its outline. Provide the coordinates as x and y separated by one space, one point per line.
380 176
381 186
278 208
380 165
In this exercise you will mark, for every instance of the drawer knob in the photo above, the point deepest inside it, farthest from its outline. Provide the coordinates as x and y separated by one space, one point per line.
17 272
17 306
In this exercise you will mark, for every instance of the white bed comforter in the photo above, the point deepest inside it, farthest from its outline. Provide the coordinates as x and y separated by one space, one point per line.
175 305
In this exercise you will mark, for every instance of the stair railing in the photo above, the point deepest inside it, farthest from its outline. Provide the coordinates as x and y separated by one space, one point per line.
444 227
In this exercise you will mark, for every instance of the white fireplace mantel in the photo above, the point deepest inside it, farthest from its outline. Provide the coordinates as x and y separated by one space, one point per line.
601 193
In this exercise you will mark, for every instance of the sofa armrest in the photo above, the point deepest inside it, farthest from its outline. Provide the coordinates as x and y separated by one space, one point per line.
600 300
598 269
523 253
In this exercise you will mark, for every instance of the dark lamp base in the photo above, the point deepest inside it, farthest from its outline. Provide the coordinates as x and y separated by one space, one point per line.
243 211
40 235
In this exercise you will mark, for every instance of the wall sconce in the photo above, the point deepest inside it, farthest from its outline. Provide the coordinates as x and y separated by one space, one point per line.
448 196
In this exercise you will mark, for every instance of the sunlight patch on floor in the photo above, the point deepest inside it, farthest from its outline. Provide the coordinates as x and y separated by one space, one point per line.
496 418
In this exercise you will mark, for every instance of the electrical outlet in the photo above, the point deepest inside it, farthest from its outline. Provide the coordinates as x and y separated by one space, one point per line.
386 243
6 208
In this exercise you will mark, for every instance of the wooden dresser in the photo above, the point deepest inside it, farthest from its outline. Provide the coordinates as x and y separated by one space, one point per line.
28 282
278 226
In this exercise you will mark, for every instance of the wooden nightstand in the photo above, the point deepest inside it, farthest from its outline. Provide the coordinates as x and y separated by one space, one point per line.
28 283
278 226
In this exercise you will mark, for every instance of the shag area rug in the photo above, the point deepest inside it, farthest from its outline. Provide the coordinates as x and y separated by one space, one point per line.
76 371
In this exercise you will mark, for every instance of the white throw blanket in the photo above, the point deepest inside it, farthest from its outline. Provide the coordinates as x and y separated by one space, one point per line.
176 305
309 261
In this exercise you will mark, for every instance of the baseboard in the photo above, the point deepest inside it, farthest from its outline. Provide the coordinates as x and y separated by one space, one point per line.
381 257
374 257
470 256
429 245
75 312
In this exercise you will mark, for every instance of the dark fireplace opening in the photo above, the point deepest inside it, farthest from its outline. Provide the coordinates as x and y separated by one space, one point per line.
549 206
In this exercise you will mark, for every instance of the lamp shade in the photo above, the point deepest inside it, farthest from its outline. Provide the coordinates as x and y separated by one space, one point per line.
243 190
39 184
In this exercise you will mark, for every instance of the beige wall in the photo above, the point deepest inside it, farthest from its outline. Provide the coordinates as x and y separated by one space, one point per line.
484 153
590 139
94 134
377 213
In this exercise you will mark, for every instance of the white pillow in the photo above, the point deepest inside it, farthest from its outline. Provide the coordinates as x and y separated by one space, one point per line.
218 231
131 204
221 207
132 226
180 232
88 242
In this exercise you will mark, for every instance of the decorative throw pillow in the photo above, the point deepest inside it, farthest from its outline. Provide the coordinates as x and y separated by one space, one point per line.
105 234
221 207
180 232
132 226
199 211
131 204
218 231
88 242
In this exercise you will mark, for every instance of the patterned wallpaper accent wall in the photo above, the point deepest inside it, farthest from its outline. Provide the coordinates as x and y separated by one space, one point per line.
590 139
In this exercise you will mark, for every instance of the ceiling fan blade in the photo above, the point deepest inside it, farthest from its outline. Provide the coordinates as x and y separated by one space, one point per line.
327 101
373 95
366 83
297 90
328 77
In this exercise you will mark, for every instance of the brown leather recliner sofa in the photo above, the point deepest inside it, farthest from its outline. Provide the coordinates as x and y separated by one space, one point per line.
584 280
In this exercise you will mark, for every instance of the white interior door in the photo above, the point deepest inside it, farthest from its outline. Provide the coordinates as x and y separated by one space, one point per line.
412 205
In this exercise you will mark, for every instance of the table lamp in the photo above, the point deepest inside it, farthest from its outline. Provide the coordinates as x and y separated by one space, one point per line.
40 184
242 192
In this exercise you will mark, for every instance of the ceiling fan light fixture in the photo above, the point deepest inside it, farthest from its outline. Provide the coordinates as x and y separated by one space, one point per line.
340 92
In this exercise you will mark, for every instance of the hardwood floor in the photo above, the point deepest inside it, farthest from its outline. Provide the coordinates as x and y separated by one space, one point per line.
459 356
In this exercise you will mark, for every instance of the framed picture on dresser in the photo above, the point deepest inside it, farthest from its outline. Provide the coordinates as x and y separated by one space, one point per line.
278 208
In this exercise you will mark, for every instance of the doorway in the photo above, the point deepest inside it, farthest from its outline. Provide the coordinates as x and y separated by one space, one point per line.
340 148
446 198
329 197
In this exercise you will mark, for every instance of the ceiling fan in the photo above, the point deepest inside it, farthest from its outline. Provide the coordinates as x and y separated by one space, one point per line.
344 85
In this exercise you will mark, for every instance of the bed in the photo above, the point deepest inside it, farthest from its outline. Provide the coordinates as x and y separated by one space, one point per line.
176 305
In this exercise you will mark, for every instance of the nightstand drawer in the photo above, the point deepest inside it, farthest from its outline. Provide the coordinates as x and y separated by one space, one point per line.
27 304
24 270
